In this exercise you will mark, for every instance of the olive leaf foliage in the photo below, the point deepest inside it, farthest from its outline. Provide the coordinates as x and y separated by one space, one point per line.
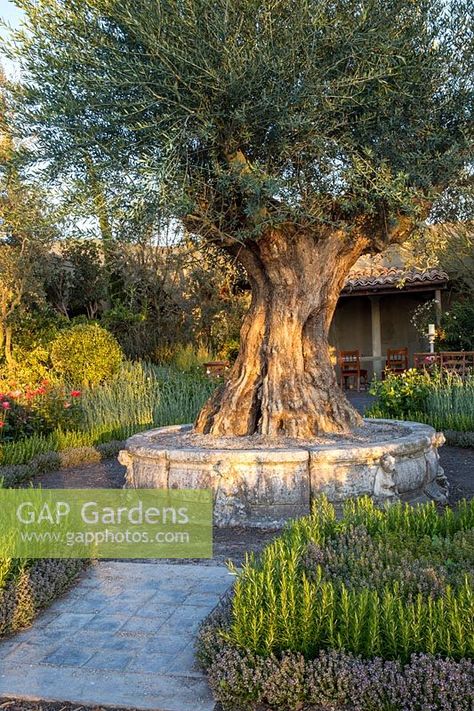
239 115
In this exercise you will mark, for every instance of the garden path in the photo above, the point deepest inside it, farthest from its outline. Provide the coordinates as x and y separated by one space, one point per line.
122 637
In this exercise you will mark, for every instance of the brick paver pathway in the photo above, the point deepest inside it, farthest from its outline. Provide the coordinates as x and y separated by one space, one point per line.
122 637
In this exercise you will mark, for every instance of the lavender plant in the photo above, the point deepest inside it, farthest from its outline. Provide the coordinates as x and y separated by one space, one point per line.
444 400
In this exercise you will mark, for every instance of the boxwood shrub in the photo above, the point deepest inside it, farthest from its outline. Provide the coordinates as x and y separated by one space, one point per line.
374 610
86 354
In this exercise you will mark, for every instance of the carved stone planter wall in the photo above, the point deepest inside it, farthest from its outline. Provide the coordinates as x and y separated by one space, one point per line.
264 487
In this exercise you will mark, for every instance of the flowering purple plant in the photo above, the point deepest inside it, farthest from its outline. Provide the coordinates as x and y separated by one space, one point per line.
369 612
337 681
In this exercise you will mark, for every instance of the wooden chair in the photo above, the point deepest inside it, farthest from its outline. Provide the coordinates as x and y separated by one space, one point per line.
349 367
455 362
397 360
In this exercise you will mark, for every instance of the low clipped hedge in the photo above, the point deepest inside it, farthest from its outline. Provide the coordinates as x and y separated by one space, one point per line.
28 586
370 612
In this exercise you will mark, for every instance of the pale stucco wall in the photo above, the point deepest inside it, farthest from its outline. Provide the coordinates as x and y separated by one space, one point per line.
351 325
397 330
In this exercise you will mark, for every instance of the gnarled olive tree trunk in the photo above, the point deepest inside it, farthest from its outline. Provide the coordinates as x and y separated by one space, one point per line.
283 382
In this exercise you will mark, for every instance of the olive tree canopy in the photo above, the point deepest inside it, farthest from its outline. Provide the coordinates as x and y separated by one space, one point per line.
294 134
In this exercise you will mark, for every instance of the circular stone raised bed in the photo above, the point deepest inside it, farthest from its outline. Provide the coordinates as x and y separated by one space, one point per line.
257 485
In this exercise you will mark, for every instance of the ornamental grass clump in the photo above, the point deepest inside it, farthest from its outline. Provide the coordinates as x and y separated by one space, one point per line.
144 394
372 600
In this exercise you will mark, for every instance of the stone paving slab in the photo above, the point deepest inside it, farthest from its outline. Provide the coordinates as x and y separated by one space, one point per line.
124 636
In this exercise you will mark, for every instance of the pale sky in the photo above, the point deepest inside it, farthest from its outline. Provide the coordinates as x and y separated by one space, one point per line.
10 14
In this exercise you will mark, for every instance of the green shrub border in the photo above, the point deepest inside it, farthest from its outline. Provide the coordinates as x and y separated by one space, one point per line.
34 587
15 474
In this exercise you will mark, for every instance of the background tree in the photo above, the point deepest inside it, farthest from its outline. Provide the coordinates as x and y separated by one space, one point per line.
450 246
215 297
26 230
169 295
294 134
90 278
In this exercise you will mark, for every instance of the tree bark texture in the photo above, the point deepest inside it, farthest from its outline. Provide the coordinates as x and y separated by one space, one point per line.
283 382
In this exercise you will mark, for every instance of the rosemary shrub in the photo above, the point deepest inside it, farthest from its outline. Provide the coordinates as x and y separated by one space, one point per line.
377 583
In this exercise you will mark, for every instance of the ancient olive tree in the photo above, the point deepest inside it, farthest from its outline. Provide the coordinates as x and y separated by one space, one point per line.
294 134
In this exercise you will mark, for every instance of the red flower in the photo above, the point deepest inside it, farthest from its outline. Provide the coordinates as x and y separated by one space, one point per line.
2 424
75 393
6 405
40 391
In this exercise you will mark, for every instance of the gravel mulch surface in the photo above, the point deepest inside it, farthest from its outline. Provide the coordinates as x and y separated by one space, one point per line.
107 474
369 432
229 545
458 465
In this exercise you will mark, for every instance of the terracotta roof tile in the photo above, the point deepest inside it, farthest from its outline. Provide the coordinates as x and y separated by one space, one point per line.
375 276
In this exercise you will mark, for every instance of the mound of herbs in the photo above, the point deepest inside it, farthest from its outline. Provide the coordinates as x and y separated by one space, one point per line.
376 583
28 586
